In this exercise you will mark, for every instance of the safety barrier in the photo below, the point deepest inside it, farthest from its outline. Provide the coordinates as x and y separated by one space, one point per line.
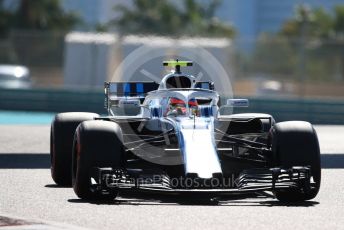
315 111
52 100
62 100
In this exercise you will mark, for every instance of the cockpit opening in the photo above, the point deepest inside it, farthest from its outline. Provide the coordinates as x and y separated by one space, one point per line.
199 107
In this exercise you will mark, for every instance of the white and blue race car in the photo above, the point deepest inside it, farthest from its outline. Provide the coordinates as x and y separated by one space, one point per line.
172 138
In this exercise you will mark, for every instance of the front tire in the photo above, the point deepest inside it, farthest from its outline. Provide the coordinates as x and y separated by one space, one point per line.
295 143
96 144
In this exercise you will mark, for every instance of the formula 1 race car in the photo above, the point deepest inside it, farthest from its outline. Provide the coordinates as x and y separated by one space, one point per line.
172 138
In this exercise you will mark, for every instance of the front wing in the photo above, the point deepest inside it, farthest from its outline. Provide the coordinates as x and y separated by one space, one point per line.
251 180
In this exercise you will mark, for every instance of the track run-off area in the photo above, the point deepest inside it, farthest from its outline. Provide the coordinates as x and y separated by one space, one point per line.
27 191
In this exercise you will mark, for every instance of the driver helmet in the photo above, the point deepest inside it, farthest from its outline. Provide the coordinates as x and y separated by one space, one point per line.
178 107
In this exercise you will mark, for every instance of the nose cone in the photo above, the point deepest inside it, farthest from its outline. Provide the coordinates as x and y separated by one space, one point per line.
199 150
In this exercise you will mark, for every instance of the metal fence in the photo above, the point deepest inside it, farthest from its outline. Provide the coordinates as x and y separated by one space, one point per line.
313 68
292 67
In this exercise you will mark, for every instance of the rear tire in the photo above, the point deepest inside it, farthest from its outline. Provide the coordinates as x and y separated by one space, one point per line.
61 142
295 143
96 144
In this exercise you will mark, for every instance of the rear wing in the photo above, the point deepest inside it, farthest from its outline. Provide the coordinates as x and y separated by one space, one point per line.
114 91
129 89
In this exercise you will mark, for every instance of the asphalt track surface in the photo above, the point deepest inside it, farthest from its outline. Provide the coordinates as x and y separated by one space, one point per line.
27 191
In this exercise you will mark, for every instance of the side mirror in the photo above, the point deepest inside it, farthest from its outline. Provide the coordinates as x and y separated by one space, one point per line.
237 103
129 103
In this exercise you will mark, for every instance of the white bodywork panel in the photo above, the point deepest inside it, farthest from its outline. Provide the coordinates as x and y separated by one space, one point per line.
198 148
